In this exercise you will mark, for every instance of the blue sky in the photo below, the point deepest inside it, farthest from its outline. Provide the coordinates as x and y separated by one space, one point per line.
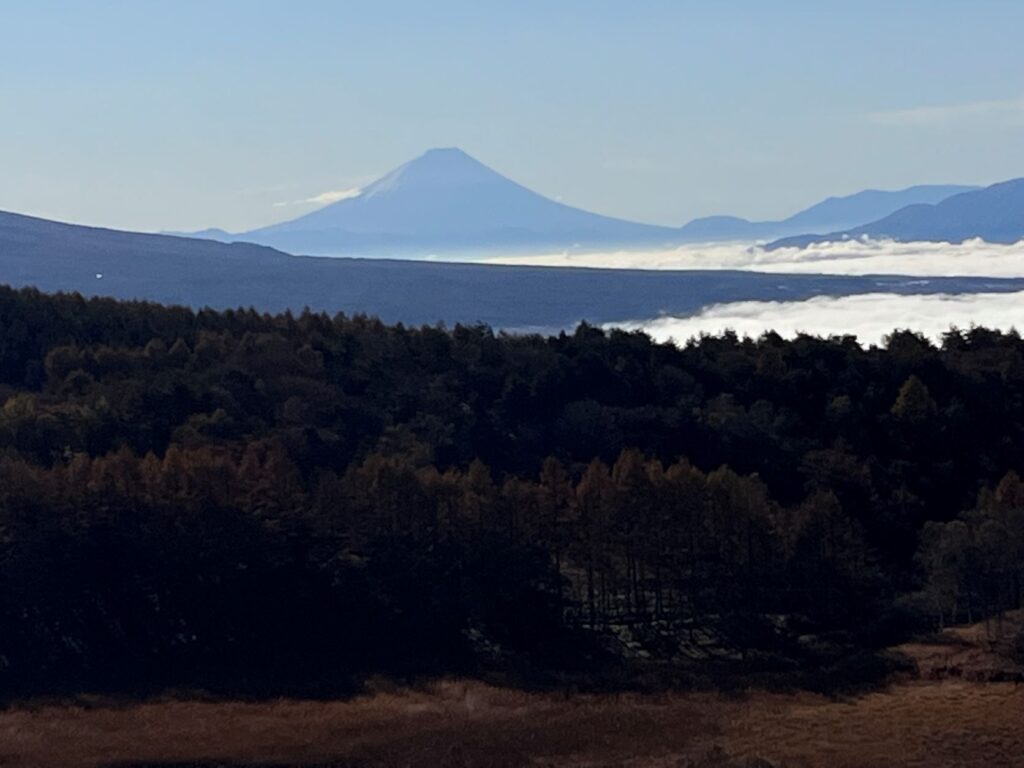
181 115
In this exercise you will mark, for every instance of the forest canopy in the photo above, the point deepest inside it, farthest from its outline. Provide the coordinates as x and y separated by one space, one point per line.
272 501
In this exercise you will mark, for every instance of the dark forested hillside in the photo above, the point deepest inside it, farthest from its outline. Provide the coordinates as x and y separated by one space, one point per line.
247 501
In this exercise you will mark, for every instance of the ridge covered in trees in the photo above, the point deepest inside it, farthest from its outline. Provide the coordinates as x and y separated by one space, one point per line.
270 502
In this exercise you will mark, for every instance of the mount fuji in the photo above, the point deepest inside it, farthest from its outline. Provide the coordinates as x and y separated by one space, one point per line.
446 200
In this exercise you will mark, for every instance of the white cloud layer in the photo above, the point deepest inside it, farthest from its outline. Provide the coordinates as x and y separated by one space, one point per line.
870 317
852 257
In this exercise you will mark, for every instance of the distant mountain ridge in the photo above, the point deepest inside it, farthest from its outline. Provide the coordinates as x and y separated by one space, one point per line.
994 214
833 213
447 202
213 233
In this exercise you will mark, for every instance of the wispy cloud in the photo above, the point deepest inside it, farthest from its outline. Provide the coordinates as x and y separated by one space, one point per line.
324 198
1001 110
869 317
334 196
850 257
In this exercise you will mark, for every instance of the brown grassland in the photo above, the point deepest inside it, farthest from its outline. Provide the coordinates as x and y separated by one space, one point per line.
963 709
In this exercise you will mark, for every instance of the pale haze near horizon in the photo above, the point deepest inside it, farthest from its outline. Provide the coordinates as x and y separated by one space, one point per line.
185 115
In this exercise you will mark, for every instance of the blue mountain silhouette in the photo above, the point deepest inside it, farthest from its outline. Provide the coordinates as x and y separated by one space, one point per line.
446 200
832 214
994 214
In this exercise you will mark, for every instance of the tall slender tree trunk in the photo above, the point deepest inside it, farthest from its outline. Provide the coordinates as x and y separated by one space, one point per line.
590 592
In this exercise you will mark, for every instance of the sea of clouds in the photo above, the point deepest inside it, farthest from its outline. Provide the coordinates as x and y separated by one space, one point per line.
870 317
850 257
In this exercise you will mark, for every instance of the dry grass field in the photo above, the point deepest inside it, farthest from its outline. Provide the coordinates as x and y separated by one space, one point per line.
948 717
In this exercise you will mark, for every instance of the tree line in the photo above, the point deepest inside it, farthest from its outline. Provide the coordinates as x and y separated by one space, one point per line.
239 499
